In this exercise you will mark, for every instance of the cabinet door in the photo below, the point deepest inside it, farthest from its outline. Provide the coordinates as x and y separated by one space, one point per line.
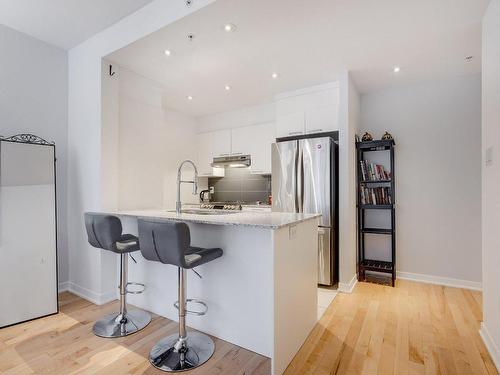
222 143
263 138
290 124
323 119
205 158
242 140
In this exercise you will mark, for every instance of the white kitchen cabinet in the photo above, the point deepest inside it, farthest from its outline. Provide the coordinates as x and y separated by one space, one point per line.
242 140
262 139
290 124
221 143
308 111
324 119
204 145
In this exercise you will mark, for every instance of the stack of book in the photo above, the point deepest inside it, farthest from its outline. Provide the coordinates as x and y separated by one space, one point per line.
374 172
377 196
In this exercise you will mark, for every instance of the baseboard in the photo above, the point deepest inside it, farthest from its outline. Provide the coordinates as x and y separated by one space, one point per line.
438 280
91 296
63 287
490 345
348 287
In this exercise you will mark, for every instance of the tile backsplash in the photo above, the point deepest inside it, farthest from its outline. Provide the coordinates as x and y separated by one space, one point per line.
239 184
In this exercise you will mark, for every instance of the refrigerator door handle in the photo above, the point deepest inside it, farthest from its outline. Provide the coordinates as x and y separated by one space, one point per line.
300 182
297 180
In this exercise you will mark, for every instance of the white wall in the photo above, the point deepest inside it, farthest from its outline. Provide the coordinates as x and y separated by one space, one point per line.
437 131
33 99
264 113
490 329
349 113
89 267
143 144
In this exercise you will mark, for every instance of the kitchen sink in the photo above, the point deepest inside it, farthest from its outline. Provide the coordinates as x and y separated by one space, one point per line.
206 212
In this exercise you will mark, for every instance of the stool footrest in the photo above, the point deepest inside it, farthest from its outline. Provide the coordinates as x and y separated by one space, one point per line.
141 289
192 312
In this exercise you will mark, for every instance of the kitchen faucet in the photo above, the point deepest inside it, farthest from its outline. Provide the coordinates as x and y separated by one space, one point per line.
178 204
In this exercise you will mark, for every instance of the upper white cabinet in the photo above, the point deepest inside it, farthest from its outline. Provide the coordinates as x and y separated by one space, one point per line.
263 136
222 143
242 140
204 146
307 111
322 119
290 124
253 140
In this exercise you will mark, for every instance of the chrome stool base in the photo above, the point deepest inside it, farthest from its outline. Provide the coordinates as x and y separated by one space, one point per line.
195 351
112 325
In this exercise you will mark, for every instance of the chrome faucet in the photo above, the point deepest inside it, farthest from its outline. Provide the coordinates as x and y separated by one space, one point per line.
178 204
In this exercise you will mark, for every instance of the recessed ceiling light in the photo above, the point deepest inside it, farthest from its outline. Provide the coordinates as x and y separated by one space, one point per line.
189 97
227 87
397 69
274 75
229 27
168 52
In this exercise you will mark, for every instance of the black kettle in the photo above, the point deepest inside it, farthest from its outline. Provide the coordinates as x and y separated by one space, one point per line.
205 196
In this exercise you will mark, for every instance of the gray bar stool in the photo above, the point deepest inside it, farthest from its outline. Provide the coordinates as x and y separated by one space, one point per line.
169 242
105 232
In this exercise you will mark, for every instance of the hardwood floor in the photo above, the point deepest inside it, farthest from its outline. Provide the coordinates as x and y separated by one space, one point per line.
64 344
411 329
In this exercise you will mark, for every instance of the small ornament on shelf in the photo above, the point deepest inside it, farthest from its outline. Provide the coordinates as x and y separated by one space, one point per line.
367 137
387 137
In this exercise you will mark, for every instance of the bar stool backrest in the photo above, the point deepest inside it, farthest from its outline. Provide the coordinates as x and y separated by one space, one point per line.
164 241
103 230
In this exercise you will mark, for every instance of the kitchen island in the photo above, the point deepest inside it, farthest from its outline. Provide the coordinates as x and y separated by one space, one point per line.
261 294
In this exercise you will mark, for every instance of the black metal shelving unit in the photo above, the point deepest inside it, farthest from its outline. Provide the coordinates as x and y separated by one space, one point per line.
365 264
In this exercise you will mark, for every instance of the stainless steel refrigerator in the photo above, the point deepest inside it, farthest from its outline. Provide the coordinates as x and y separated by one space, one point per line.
305 179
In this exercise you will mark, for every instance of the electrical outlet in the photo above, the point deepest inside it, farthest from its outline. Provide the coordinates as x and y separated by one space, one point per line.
292 232
212 189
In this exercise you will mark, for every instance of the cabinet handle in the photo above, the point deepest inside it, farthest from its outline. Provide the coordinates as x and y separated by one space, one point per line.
315 131
237 153
223 154
294 133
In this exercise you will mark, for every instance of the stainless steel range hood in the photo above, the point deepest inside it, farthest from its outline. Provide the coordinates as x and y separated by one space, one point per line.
235 161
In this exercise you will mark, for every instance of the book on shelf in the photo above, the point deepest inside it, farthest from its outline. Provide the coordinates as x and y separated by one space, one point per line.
375 196
373 172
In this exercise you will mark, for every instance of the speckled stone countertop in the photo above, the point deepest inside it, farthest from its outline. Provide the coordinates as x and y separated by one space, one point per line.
266 220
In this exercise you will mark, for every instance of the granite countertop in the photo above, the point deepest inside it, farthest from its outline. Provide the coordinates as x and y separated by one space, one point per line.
266 220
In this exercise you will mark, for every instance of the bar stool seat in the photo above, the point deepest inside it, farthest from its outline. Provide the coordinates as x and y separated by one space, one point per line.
169 242
105 232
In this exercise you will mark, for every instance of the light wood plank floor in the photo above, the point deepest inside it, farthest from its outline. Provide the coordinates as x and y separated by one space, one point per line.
411 329
64 344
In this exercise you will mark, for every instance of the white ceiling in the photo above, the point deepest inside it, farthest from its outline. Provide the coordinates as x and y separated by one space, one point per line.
307 43
65 23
